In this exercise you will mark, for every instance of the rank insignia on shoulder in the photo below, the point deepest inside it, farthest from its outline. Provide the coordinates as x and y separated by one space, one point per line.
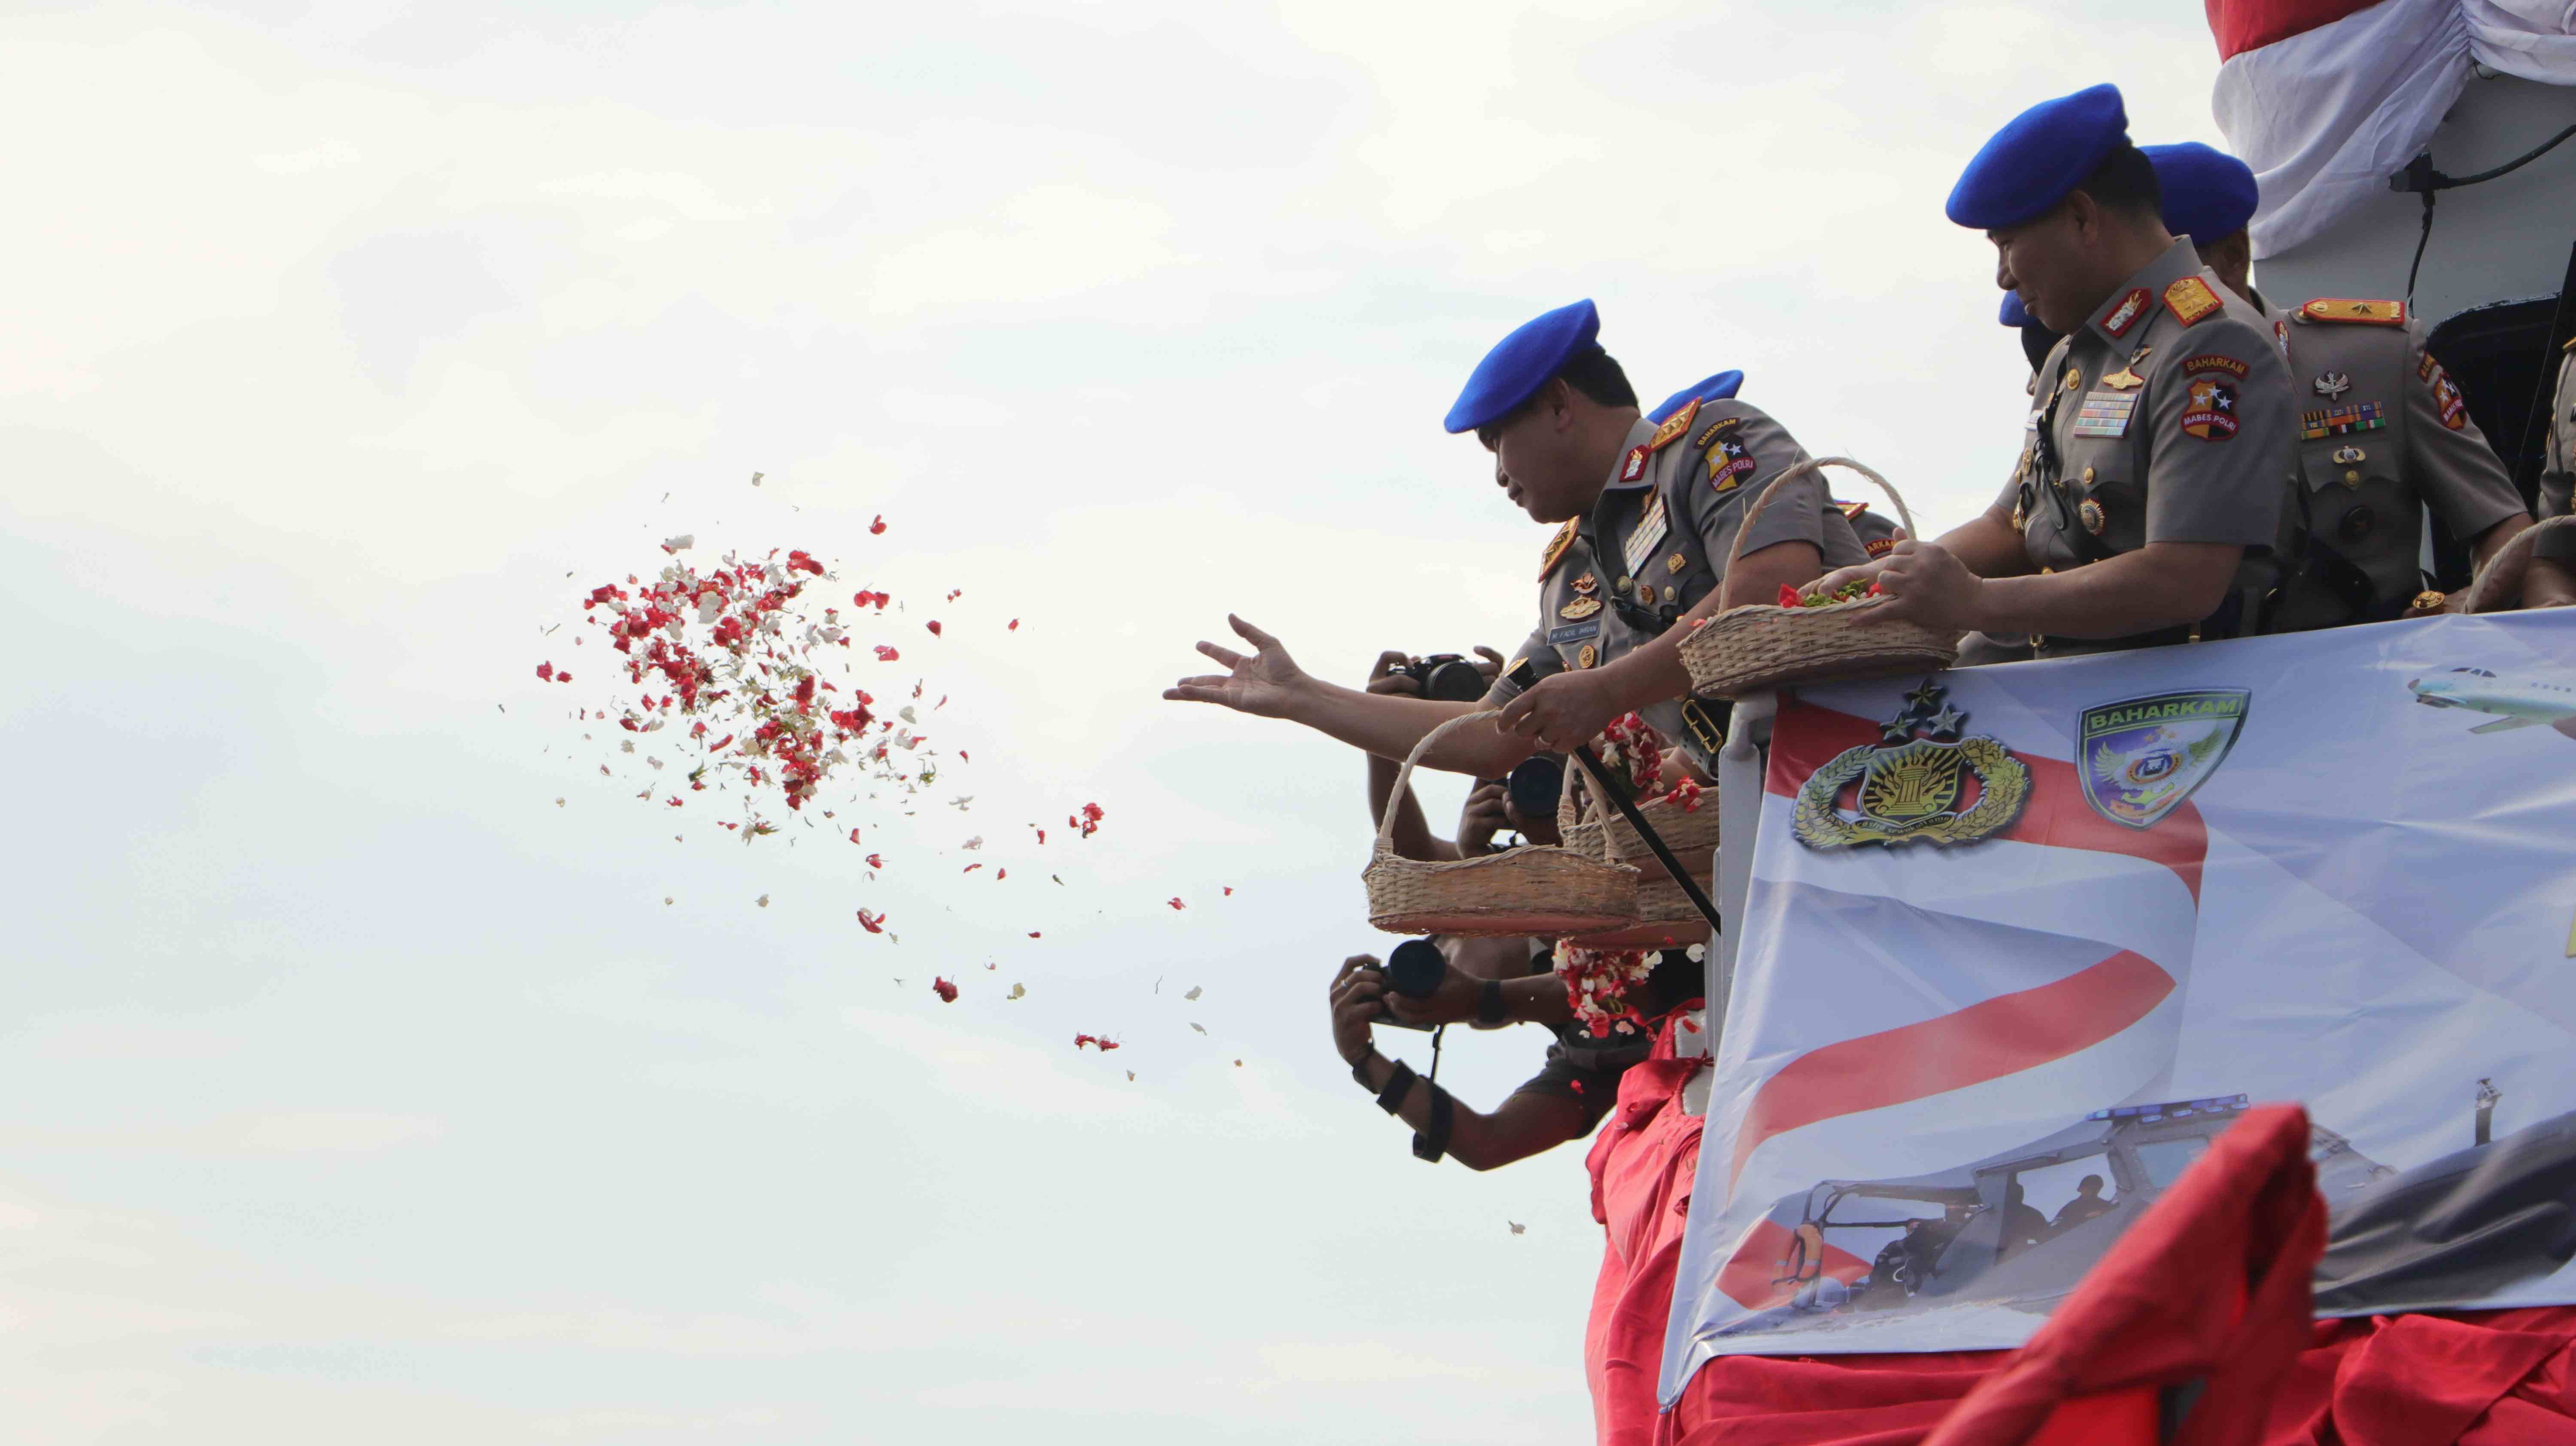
2125 316
2191 301
1678 423
1587 584
1579 608
1556 547
2367 313
1634 466
1851 511
2213 362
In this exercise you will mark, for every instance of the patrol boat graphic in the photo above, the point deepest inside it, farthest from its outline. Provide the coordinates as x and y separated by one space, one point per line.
2519 701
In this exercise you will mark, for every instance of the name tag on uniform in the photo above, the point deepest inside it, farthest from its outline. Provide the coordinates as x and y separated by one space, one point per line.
1645 536
1573 633
2105 414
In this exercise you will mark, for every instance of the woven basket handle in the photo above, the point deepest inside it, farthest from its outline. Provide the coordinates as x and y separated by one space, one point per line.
2517 553
1404 775
1744 529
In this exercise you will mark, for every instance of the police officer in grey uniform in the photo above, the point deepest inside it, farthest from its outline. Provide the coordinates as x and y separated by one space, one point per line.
2158 449
2384 432
1876 533
2551 582
1647 514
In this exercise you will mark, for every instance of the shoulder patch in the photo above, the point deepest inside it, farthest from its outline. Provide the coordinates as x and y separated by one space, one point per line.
2213 362
1556 547
1879 546
2191 301
1674 425
2366 313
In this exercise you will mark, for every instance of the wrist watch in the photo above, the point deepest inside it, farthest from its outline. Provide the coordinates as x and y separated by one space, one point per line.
1491 1007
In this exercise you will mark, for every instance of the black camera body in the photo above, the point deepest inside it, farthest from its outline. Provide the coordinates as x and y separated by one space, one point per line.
1447 677
1413 969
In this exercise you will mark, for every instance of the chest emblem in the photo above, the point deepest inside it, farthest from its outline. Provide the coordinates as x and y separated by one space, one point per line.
1586 584
2331 385
1579 608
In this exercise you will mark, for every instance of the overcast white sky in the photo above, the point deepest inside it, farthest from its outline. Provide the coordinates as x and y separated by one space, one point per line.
350 1090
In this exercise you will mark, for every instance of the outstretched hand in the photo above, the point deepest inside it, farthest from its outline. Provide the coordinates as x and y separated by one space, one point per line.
1263 682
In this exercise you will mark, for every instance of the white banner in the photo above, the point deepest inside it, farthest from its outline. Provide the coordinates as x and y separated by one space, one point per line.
2019 941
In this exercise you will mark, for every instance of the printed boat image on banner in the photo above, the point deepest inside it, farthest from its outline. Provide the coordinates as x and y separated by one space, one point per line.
2144 756
2019 1228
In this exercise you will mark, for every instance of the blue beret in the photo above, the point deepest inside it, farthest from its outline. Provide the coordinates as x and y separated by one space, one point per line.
2036 159
1707 389
1521 363
2207 193
2013 312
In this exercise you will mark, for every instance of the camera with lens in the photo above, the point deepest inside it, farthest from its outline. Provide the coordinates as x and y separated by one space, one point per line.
1413 969
1535 783
1447 677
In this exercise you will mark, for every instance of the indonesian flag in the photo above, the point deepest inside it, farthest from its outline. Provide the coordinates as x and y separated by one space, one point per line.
2025 983
2326 99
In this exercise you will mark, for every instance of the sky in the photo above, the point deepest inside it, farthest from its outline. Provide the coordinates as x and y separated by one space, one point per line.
351 1088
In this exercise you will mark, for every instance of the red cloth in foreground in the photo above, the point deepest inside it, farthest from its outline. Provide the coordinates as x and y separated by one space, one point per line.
1642 1166
2239 25
2160 1308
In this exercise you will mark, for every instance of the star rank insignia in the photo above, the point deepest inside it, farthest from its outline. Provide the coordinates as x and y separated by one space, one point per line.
2346 309
1556 547
1673 427
2191 301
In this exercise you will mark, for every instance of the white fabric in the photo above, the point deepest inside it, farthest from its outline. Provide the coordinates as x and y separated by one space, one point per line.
2326 116
2379 924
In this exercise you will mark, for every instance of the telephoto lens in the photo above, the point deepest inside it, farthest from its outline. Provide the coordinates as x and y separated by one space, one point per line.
1449 678
1534 785
1413 969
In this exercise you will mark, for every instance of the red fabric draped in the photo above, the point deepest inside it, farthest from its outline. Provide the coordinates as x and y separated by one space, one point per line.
2212 1284
2246 24
1642 1165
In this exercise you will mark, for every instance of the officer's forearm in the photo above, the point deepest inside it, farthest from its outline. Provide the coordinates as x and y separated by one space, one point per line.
1537 999
1390 726
1988 545
2158 586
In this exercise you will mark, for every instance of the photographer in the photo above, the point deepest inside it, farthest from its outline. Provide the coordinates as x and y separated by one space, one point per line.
1562 1102
1489 809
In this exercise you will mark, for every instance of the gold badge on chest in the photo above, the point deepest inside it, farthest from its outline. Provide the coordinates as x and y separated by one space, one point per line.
1580 608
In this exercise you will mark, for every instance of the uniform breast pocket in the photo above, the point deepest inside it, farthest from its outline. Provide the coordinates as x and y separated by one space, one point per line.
2348 486
2106 496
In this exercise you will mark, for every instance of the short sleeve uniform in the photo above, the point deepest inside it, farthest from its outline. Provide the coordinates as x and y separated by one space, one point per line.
2383 434
1657 544
2167 417
2558 470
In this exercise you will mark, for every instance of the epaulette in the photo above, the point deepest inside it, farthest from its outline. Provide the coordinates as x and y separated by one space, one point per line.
1556 547
2362 313
2571 344
1678 423
1852 510
2191 301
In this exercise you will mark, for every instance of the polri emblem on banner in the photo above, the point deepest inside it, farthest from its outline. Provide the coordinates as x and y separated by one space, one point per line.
2141 757
1915 784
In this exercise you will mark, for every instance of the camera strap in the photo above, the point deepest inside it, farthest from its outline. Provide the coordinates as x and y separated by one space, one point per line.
1616 790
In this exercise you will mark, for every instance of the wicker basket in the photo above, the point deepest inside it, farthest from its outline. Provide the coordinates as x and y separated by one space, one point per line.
1691 834
1535 890
2512 560
1666 918
1763 645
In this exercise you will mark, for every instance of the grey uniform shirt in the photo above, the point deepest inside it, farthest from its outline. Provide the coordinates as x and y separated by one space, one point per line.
2166 417
1657 543
2558 470
2383 434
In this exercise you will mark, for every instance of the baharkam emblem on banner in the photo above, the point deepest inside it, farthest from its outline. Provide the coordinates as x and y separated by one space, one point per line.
1921 783
2141 757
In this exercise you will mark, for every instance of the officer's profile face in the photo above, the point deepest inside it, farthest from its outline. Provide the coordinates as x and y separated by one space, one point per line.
1533 458
2045 262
